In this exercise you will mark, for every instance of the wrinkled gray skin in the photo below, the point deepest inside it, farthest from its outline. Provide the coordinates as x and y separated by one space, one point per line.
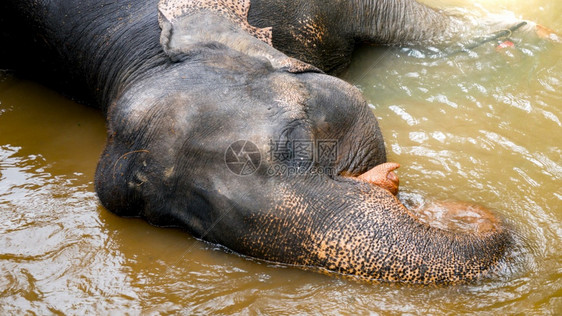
326 35
170 123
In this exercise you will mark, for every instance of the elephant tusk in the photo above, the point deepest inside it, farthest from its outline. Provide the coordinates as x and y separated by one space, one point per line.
383 176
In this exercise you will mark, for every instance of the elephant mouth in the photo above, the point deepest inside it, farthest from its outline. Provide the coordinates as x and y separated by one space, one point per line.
383 176
453 216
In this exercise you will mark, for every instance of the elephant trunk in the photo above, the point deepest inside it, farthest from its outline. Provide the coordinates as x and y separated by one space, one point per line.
361 230
398 22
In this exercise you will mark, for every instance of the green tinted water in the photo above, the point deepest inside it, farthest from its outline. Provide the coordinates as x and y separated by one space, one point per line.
484 127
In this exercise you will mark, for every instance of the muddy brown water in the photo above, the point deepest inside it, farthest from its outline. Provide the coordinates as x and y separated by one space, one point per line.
482 127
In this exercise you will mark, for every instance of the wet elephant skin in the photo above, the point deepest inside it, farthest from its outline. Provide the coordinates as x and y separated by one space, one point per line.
169 124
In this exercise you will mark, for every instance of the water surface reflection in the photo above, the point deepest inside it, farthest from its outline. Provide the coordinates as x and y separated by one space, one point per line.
483 127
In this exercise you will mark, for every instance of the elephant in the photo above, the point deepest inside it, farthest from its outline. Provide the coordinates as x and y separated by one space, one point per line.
243 144
325 34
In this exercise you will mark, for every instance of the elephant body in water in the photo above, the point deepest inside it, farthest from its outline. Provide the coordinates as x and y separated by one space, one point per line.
213 130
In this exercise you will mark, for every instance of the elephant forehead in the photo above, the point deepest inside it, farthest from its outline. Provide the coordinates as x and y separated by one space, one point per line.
291 95
235 10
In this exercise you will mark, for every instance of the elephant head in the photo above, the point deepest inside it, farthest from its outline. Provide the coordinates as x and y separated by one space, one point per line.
240 148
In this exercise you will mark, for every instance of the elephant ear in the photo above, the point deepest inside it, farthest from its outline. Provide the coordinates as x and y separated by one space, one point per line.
184 35
169 40
293 65
234 10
